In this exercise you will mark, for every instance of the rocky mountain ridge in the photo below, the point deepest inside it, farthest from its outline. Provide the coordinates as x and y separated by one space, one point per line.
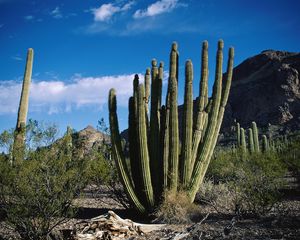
266 89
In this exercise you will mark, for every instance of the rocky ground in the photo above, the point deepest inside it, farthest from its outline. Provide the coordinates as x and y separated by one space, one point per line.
282 223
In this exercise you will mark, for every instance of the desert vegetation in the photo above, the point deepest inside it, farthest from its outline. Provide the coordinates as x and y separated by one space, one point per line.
166 172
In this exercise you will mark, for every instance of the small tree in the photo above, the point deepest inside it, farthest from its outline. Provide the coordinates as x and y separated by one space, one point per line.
37 193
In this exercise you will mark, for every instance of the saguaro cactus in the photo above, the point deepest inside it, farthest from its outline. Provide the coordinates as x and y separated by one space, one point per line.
19 138
157 164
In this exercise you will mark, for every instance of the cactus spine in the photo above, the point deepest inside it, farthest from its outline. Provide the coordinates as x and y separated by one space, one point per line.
20 131
161 163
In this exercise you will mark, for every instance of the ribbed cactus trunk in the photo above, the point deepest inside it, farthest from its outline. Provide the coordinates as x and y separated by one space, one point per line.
255 137
118 154
251 141
187 134
20 131
243 141
238 134
157 163
265 144
201 115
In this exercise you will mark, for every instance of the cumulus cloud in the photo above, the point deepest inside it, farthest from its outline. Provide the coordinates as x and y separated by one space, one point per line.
106 11
56 13
157 8
58 96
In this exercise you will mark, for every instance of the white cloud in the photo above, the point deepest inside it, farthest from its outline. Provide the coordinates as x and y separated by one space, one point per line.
157 8
58 96
17 58
29 17
56 13
106 11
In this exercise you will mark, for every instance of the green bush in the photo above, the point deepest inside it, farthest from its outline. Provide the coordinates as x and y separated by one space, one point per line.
36 195
253 179
290 155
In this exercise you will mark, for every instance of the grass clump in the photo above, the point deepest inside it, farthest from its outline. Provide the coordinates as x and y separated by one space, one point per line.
175 208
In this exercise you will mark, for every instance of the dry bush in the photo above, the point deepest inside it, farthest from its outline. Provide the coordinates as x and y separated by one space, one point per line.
175 209
218 196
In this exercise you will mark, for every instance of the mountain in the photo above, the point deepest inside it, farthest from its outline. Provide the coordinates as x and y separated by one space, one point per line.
266 89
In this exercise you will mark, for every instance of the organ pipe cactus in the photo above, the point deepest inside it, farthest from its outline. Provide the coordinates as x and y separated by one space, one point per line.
157 163
238 132
251 141
243 141
265 143
20 131
255 136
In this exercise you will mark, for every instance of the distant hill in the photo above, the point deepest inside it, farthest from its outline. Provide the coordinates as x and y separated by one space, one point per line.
88 138
266 89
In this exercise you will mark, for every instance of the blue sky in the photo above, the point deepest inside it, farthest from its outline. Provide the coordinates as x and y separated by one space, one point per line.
83 48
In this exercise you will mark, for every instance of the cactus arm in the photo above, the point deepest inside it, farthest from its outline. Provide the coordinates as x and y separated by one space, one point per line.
255 137
238 133
155 159
265 144
142 144
202 101
186 149
118 154
174 137
251 141
166 144
173 72
159 83
132 137
147 95
243 141
147 87
170 154
225 95
204 150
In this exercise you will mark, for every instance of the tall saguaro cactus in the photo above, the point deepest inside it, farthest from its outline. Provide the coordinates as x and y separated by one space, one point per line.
19 138
157 163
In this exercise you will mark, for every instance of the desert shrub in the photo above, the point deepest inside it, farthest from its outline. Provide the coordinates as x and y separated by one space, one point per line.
219 196
174 209
290 155
254 180
36 195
